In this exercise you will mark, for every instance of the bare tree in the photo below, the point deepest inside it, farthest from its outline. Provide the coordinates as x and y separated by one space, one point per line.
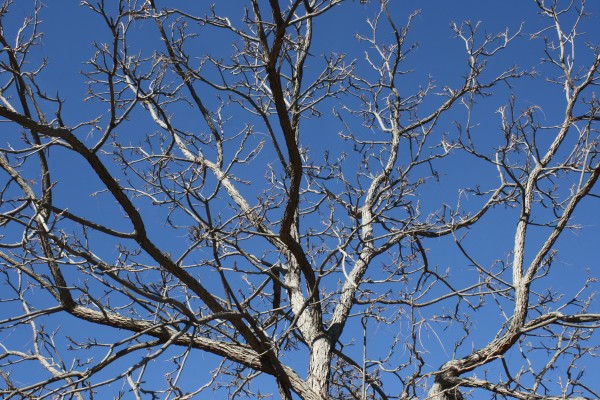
252 212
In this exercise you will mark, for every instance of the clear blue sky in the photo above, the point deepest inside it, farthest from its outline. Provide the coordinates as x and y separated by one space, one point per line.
70 29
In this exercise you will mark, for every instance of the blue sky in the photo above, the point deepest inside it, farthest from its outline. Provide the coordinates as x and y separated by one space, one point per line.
70 31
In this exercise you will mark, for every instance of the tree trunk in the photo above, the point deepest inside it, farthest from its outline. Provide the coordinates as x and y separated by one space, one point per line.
320 361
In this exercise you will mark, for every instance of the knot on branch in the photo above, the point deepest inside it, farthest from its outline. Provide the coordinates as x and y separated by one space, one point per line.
445 386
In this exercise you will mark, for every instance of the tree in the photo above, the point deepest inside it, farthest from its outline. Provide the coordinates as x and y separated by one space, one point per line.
242 207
